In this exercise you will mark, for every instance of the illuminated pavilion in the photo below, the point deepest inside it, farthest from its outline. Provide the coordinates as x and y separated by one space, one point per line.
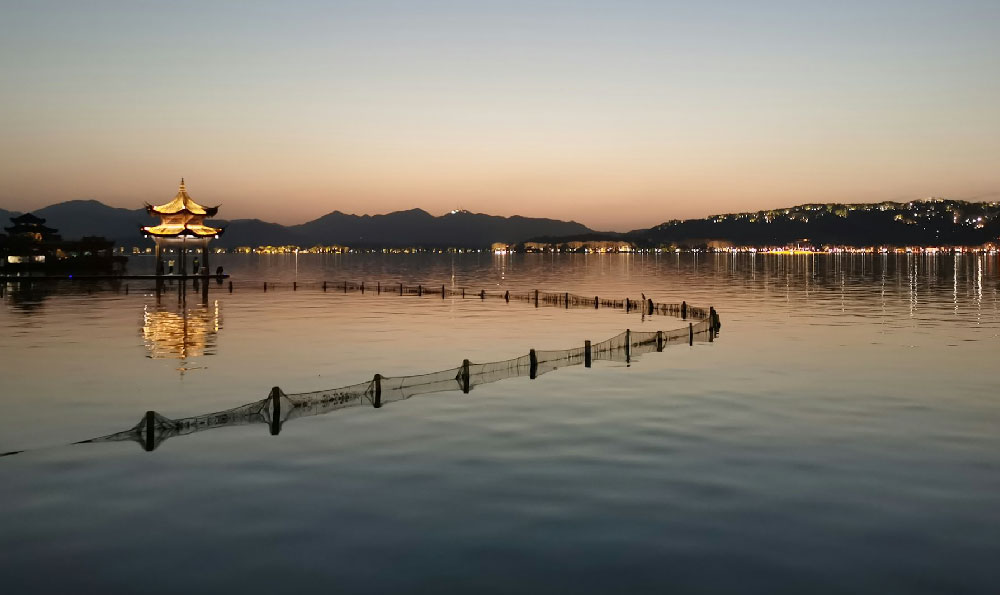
182 227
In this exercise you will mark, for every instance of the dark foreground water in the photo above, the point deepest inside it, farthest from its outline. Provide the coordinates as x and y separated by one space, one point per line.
840 436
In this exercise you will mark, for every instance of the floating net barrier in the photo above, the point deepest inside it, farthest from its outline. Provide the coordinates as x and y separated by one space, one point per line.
278 407
538 298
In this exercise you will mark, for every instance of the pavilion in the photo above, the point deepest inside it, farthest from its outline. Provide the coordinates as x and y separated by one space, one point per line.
182 227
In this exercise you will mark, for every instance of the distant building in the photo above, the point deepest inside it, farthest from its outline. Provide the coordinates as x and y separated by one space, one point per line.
182 227
32 247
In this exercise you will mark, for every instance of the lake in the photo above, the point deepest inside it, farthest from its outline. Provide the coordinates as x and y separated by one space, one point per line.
839 435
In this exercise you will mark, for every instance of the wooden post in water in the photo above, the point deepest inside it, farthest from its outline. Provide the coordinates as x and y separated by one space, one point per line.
684 310
400 289
650 306
377 381
566 297
265 286
596 303
150 441
690 333
442 292
324 286
126 289
420 290
659 340
230 287
628 306
506 296
482 294
295 285
463 293
275 397
345 286
536 298
533 370
711 332
465 376
586 353
362 288
378 288
628 346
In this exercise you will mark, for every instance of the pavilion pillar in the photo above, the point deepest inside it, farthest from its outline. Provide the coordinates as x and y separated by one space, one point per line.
204 257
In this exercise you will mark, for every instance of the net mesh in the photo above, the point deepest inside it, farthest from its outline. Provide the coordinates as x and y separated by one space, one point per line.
279 407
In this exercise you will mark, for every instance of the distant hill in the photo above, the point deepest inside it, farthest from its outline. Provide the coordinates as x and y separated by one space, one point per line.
415 227
923 222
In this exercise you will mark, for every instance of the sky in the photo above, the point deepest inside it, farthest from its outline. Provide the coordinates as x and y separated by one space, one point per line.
618 114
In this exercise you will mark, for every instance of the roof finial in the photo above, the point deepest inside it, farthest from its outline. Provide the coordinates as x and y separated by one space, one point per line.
182 182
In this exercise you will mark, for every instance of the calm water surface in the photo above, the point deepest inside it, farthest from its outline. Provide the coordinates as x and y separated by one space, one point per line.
840 436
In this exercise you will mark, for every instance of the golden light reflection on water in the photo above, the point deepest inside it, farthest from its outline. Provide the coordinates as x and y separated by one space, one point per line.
185 333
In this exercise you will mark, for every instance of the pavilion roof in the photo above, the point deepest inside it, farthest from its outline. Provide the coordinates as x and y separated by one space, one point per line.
182 202
196 230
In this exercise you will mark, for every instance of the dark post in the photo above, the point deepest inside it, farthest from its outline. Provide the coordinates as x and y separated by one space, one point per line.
506 295
586 353
534 364
566 297
463 293
362 288
324 286
400 289
650 306
265 286
150 441
378 288
295 285
711 332
627 305
482 294
420 290
378 391
628 346
442 292
345 286
536 298
465 376
690 333
659 340
275 410
684 310
126 289
230 287
596 302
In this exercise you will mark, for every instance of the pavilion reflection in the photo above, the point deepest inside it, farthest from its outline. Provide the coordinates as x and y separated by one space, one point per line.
182 331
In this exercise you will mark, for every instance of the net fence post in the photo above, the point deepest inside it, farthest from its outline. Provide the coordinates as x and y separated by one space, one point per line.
377 388
690 334
586 353
275 398
465 376
659 340
628 346
150 441
566 297
627 306
536 298
533 370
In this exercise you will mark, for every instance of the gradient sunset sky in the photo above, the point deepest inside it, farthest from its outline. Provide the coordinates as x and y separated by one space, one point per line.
618 114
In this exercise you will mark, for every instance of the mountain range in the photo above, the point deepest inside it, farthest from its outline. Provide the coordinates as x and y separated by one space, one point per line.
415 227
927 222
